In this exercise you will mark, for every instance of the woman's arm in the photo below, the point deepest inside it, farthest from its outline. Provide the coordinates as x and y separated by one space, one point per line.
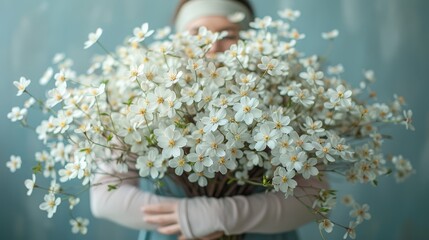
259 213
122 205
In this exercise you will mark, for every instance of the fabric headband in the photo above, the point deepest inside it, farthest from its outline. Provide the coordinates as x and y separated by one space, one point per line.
234 11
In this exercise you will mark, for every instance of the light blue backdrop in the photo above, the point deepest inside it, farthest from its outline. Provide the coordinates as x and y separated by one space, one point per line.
389 36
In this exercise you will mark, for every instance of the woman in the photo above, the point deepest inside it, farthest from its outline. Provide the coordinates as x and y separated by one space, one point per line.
161 215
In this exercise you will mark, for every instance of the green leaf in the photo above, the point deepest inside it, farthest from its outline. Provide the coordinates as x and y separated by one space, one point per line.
37 168
109 138
112 187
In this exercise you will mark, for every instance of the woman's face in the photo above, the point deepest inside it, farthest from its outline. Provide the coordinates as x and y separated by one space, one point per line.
217 24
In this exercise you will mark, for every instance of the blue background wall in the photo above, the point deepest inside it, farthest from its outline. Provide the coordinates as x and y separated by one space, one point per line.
388 36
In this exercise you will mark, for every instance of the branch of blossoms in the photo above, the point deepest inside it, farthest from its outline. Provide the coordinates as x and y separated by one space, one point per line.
256 117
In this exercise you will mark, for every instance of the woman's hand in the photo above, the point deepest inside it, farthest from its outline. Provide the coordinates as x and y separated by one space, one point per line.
166 217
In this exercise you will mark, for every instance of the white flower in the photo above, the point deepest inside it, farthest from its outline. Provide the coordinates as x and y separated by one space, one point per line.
200 177
179 164
200 159
136 71
313 127
30 102
271 66
326 225
216 76
21 85
312 77
97 91
141 33
337 69
14 163
172 77
73 201
50 204
283 180
340 95
308 168
281 122
212 144
302 96
222 164
162 32
237 135
93 38
159 99
360 213
150 164
408 120
17 114
325 151
215 120
351 231
294 160
191 94
247 110
77 168
30 184
330 35
57 95
369 75
289 14
261 23
170 140
62 122
266 137
79 225
62 77
46 76
294 34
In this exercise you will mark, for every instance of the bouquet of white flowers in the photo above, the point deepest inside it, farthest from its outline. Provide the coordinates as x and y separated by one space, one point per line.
259 114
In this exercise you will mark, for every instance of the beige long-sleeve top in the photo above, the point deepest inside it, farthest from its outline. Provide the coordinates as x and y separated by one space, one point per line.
199 216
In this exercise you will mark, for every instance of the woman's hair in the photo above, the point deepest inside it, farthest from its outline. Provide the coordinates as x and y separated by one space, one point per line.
245 3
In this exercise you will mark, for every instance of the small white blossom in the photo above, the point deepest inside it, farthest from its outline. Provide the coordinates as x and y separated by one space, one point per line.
14 163
30 102
46 76
21 85
17 114
247 110
79 225
283 180
141 33
170 140
289 14
330 35
261 23
150 164
162 32
360 213
214 120
408 120
93 38
312 77
266 136
50 204
326 225
30 184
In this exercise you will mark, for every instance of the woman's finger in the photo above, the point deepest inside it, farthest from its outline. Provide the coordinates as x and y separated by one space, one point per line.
212 236
159 208
170 229
160 219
